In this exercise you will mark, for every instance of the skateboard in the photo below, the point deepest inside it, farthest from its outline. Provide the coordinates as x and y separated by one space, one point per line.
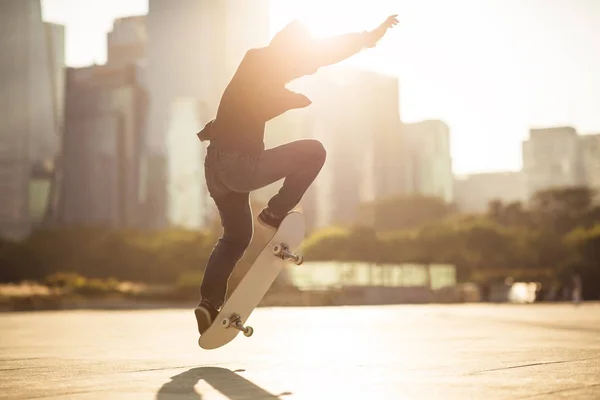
255 284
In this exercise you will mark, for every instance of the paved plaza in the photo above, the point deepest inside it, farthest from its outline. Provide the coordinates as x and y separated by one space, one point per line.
476 351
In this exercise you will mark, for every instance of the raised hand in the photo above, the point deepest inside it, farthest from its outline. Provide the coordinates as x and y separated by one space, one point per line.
375 35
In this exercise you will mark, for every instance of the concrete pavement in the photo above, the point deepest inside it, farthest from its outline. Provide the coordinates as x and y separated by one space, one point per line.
385 352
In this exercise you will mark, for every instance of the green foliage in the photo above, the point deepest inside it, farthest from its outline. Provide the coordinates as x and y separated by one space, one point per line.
553 237
512 214
356 244
150 257
327 244
404 212
564 209
76 284
585 246
65 280
509 239
190 279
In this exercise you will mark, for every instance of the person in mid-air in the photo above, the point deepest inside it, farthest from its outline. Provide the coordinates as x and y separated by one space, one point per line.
237 162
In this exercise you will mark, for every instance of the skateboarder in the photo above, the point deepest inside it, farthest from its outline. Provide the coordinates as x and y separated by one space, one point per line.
237 162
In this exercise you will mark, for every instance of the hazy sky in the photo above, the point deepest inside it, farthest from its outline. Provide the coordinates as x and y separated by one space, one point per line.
490 68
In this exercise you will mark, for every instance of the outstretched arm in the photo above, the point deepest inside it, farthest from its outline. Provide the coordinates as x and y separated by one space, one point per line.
338 48
332 50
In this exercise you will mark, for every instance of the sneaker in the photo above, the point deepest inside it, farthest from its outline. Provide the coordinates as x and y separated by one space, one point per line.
205 315
266 218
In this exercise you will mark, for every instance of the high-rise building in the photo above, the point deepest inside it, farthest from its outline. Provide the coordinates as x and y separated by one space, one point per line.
590 156
188 202
48 59
127 42
153 194
552 158
194 48
31 78
106 111
428 160
104 139
473 193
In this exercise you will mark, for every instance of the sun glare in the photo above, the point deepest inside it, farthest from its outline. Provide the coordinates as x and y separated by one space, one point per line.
326 18
489 69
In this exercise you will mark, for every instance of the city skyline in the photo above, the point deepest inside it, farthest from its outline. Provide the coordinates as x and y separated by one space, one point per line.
528 65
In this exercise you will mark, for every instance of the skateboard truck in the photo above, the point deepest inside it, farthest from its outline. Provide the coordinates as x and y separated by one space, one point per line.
283 251
235 322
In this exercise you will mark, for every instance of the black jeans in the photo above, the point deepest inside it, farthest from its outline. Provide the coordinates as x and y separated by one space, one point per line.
230 178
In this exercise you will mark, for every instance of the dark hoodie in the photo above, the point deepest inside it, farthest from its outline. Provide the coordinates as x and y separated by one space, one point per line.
257 92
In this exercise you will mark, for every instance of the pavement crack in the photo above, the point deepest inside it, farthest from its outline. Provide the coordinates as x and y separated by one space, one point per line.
177 367
537 324
562 390
528 365
74 392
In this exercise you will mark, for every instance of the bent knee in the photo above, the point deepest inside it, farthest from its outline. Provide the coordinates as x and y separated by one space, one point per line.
317 151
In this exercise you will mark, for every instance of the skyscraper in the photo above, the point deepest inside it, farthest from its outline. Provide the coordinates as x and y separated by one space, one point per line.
127 42
428 160
188 205
474 192
590 156
31 71
106 111
551 158
104 125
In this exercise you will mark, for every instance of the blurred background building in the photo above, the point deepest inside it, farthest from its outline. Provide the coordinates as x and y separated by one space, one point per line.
130 156
473 193
31 103
128 153
105 122
127 42
105 126
590 156
114 144
429 164
552 158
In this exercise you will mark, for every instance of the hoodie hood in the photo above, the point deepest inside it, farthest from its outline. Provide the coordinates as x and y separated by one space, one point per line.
293 36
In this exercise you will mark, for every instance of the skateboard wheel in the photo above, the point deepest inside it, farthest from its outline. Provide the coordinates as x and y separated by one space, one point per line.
299 260
277 249
225 323
248 331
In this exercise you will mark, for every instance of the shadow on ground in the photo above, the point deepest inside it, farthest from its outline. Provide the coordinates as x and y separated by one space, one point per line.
227 382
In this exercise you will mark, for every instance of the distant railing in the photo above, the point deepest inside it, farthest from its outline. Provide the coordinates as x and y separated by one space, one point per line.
313 275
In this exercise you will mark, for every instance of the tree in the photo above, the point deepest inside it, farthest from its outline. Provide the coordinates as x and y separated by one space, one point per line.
150 257
327 244
404 212
564 209
511 214
585 244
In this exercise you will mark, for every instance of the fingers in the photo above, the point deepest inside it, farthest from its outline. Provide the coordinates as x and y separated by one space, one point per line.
392 20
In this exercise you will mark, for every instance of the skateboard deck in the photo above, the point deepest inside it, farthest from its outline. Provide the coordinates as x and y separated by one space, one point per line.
255 284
